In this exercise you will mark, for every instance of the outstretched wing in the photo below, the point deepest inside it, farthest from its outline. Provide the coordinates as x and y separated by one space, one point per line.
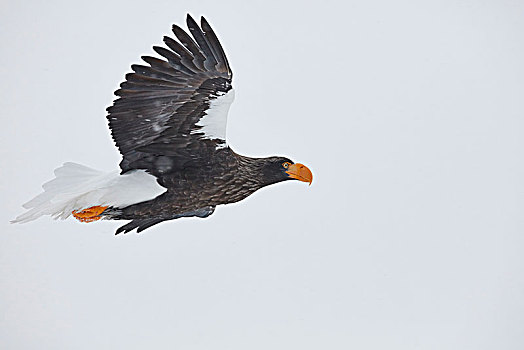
173 111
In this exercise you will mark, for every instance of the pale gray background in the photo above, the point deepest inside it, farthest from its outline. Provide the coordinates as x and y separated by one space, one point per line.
409 113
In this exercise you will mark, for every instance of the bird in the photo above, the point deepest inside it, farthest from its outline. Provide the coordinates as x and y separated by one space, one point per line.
169 123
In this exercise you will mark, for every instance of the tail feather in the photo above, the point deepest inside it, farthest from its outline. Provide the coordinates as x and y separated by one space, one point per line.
67 179
76 187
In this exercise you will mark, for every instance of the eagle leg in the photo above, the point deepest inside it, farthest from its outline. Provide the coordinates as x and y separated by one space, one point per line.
89 214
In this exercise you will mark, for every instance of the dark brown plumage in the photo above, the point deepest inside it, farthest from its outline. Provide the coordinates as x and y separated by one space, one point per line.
197 191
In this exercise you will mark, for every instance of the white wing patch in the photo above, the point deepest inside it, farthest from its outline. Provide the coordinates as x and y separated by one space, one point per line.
77 187
214 123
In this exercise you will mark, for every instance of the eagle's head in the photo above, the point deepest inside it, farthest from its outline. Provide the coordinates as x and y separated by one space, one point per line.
276 169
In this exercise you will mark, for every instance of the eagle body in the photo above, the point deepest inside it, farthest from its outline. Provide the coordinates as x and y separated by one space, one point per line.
169 123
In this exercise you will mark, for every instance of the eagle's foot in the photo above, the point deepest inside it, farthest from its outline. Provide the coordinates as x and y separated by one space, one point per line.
89 214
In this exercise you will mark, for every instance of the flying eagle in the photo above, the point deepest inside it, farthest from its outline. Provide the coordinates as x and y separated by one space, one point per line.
169 124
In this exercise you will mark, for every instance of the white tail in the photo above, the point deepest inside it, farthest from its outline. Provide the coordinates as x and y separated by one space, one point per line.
77 187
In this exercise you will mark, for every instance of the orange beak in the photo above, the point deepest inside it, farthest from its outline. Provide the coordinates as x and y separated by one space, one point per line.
300 172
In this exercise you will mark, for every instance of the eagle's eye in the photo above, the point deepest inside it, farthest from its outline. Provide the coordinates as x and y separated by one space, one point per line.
285 165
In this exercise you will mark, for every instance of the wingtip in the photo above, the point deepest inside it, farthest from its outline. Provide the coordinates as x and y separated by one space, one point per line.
189 19
204 23
121 229
192 25
175 28
158 49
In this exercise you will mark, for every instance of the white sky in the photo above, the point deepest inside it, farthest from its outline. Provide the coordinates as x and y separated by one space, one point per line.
410 115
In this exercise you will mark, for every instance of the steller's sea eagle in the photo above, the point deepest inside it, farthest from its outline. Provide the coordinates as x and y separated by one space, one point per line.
169 124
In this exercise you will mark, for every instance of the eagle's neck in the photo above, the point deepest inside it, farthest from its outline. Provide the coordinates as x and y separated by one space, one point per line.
249 169
255 172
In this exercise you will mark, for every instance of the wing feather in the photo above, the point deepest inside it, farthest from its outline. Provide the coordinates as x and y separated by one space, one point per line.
197 33
215 45
186 58
174 106
185 39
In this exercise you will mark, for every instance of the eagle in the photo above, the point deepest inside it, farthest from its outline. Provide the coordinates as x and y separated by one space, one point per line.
169 124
